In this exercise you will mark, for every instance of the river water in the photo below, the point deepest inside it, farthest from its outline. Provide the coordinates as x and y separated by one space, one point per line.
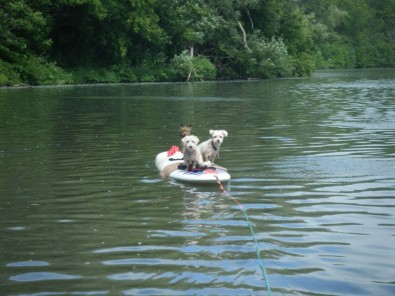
83 210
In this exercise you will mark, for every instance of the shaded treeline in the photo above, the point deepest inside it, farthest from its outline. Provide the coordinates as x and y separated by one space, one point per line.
89 41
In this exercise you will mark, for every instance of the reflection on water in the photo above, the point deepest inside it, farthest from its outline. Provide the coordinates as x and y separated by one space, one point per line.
84 211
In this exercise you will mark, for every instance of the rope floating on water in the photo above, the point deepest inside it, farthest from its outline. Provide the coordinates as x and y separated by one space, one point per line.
258 255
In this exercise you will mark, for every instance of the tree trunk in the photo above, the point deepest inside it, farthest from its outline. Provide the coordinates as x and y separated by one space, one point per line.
191 64
249 17
244 35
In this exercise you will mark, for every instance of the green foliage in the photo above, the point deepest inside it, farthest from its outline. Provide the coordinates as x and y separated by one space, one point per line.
152 69
32 70
304 65
148 71
37 71
182 64
9 74
353 33
200 67
93 75
203 69
23 30
150 40
335 56
267 59
125 73
115 74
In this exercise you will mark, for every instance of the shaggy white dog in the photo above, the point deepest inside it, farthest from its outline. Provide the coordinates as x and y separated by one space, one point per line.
192 155
210 148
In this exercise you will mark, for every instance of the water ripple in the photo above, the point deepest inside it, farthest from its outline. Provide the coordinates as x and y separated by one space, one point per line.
43 276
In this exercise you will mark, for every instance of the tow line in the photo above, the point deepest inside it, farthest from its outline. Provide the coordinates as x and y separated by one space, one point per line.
258 255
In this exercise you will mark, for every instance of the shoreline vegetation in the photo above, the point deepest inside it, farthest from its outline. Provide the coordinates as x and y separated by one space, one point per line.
72 42
63 85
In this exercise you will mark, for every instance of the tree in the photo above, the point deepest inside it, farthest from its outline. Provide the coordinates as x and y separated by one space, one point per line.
92 32
24 45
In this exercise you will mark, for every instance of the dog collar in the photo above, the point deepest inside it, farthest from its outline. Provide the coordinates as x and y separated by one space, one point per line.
212 144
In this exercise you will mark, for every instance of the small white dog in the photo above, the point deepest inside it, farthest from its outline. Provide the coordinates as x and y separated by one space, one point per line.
210 148
192 155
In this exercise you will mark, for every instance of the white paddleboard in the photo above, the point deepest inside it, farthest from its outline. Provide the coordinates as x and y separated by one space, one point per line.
199 176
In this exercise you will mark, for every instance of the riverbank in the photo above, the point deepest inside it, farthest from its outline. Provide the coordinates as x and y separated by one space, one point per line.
318 72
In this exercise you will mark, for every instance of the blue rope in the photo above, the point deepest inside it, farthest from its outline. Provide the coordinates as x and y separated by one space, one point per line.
257 250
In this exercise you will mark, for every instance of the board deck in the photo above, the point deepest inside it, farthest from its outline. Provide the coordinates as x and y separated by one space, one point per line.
198 176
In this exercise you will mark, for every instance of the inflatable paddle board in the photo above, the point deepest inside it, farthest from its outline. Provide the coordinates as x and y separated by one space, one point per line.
207 175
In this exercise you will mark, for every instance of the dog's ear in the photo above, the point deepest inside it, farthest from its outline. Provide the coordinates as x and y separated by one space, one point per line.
225 133
212 132
196 139
184 140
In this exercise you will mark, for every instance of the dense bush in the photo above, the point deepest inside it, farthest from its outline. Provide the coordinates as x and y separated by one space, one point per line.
267 59
37 71
9 74
34 71
184 67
